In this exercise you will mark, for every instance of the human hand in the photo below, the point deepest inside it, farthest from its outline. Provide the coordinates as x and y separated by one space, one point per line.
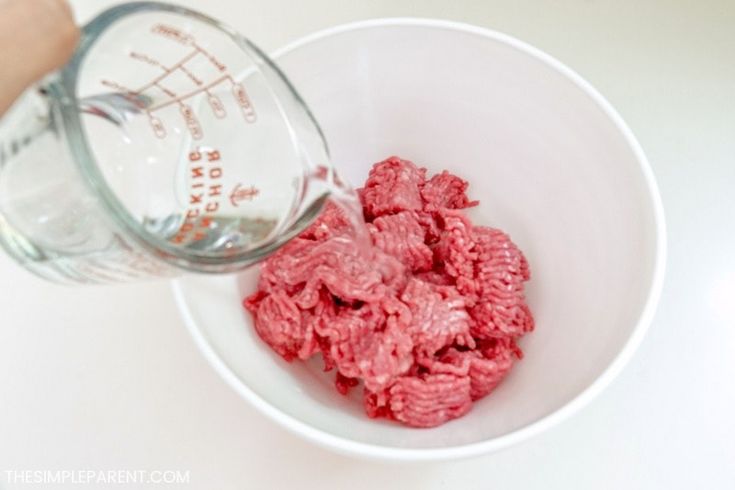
36 37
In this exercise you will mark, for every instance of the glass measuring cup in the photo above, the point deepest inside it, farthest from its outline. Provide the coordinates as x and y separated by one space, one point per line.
168 142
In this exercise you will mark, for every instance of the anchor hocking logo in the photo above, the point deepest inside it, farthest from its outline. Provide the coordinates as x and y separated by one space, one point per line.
241 193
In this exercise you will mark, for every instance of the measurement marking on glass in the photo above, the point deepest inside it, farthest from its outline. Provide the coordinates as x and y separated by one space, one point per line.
187 113
119 87
241 96
158 128
173 33
216 104
166 72
126 92
166 91
191 76
147 59
217 63
191 121
183 97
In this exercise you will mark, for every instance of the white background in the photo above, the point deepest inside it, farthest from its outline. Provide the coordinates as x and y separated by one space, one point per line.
108 378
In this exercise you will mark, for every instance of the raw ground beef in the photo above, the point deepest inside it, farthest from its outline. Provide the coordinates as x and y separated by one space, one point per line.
426 321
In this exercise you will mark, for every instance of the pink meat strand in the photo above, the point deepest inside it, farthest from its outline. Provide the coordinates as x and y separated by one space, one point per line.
427 321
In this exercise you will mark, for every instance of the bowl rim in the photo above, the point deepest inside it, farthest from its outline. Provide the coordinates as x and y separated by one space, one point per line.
374 451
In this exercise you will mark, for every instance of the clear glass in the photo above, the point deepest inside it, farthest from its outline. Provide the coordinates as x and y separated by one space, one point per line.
168 142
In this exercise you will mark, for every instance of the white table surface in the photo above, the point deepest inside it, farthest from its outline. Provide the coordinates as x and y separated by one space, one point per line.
108 378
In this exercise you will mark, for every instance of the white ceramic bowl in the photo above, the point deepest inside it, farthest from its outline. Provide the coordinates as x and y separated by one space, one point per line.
552 163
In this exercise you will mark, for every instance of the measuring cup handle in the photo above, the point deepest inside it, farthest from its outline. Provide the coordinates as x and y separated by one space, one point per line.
28 119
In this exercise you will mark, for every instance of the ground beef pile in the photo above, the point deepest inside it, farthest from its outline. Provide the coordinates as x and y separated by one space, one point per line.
426 321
